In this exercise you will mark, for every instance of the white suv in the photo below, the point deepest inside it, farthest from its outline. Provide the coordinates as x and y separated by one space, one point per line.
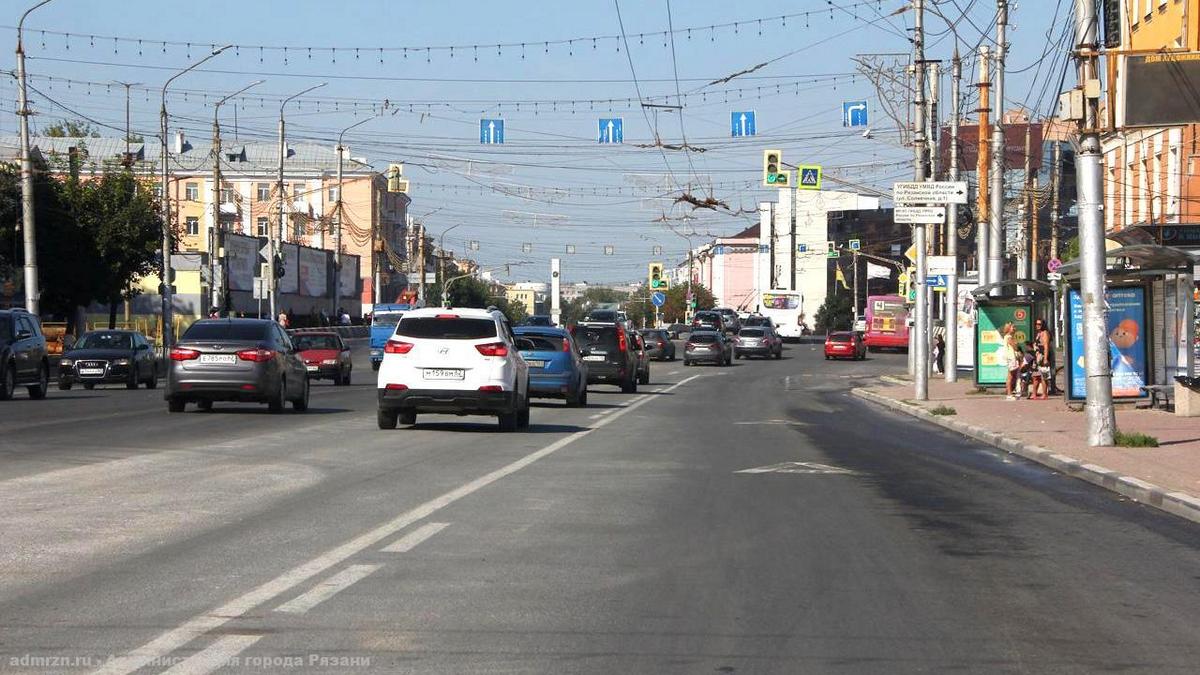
458 361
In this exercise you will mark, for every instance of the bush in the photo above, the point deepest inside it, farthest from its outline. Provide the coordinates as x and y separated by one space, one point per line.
1134 439
943 410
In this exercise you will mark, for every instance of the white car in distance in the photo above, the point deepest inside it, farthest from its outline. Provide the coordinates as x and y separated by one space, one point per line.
454 360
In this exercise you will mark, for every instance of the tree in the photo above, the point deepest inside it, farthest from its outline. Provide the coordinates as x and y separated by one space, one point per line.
675 309
71 129
472 292
836 313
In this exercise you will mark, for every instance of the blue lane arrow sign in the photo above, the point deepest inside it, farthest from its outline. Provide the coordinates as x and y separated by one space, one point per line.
611 130
741 123
658 298
491 131
854 114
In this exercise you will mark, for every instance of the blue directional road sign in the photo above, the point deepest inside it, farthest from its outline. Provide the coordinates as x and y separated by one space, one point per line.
491 131
802 248
741 123
611 130
938 281
658 298
854 114
855 245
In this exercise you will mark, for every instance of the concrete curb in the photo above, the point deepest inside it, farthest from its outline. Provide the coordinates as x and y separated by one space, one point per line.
1176 503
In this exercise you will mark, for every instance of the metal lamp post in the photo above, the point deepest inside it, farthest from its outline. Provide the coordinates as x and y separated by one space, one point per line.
165 288
27 216
337 233
216 238
442 258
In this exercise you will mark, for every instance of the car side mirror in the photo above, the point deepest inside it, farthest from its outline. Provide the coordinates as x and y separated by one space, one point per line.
24 335
345 348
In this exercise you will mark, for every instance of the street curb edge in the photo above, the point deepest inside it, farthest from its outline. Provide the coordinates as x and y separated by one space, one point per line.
1176 503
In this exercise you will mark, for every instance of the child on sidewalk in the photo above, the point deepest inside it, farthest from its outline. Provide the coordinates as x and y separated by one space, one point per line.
1028 367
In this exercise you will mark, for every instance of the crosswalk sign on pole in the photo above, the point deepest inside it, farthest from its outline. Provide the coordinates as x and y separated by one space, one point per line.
809 177
611 131
491 131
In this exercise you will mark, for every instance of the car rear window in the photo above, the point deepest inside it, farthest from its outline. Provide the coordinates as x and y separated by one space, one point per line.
386 319
224 330
458 328
752 332
839 337
304 342
596 336
602 315
544 343
700 338
707 316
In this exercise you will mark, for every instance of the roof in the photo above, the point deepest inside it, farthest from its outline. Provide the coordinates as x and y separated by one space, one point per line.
468 312
1144 258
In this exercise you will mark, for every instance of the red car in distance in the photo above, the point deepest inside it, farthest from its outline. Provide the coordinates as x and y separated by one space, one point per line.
845 345
325 356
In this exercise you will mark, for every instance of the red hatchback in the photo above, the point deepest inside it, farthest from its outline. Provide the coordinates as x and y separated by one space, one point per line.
325 356
845 345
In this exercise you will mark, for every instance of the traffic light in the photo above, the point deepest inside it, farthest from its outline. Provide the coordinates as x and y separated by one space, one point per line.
774 175
656 280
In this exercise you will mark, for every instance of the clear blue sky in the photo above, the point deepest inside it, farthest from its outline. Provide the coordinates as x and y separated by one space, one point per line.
550 184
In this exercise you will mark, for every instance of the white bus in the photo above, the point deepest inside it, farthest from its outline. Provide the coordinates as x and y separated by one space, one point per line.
785 309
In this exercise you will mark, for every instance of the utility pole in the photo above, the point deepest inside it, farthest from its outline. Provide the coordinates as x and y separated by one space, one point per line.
1055 177
983 167
1034 225
1101 420
932 132
1027 200
338 210
919 343
276 236
421 262
165 289
216 238
28 222
951 351
996 239
854 271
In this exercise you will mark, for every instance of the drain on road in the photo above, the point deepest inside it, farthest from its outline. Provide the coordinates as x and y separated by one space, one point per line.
812 468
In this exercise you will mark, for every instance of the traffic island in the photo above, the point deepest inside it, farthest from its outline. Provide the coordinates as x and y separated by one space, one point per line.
1052 433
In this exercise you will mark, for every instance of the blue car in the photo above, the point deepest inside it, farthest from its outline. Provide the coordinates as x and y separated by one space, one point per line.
556 368
384 318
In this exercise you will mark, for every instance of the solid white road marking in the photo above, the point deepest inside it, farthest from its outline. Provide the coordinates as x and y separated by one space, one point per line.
413 539
774 423
199 625
799 467
213 657
327 589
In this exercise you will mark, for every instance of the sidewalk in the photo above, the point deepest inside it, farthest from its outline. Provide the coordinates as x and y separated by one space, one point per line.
1049 432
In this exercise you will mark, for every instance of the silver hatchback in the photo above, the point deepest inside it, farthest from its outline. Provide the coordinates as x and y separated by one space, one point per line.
249 360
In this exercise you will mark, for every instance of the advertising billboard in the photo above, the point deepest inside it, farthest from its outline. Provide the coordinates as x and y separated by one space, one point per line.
241 259
314 278
992 368
290 281
781 300
1127 342
349 278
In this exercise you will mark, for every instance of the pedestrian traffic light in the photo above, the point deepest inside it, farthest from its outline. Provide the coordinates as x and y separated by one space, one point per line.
656 280
774 175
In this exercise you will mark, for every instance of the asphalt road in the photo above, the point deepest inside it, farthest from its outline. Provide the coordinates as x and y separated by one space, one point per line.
627 537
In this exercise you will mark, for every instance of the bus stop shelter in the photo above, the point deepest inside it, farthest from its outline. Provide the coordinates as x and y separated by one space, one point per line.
1015 301
1151 319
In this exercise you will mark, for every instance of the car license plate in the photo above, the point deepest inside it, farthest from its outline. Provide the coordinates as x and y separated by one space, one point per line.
227 359
444 374
594 357
91 371
536 364
312 369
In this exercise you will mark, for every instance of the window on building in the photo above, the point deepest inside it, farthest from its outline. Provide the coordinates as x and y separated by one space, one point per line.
226 195
298 229
264 192
1156 194
334 195
260 226
298 190
191 192
193 225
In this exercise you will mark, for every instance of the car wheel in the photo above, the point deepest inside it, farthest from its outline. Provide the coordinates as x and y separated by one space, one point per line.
575 398
583 397
8 383
132 382
204 406
629 386
644 378
375 365
64 386
176 404
38 391
508 421
275 405
523 415
152 381
779 355
408 418
386 419
687 364
301 404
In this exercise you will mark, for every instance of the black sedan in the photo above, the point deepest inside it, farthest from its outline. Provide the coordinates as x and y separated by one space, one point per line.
109 357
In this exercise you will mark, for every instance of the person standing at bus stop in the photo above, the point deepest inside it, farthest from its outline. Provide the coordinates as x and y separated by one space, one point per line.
1011 359
1045 355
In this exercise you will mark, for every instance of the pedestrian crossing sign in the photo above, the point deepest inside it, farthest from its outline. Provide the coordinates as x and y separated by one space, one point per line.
810 177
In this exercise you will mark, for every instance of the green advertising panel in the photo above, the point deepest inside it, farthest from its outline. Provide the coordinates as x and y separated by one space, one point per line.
991 368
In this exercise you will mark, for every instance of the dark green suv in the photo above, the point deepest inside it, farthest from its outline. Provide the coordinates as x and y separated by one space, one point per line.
23 359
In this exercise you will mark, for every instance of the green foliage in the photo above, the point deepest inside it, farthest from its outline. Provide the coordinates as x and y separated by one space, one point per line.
836 313
1134 439
943 410
473 292
71 129
574 310
1071 250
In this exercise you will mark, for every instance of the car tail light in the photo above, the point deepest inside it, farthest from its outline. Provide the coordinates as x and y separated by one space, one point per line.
396 387
446 316
256 355
493 349
622 343
397 347
662 345
183 354
566 345
491 387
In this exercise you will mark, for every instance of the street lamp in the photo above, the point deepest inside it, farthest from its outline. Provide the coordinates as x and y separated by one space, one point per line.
442 254
27 217
277 237
165 287
215 237
337 234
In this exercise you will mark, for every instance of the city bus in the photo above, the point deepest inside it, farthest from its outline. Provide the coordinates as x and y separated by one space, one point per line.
887 322
785 310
